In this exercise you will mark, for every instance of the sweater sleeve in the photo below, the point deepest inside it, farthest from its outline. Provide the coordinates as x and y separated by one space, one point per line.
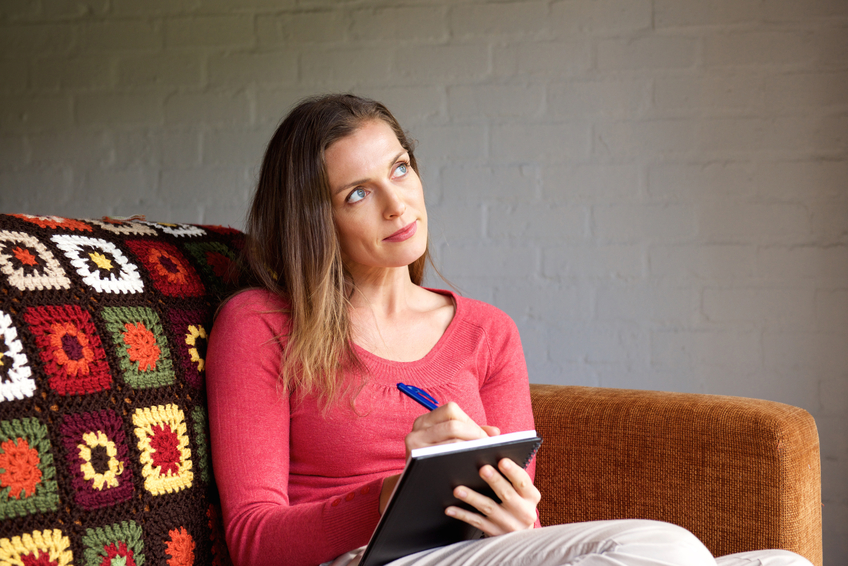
249 425
505 390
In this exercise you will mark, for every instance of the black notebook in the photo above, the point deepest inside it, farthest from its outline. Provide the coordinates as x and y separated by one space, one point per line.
415 519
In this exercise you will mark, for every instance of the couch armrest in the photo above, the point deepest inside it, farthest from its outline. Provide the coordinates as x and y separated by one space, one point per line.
741 474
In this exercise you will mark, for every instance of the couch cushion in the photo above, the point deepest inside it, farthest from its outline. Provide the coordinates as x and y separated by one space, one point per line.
104 453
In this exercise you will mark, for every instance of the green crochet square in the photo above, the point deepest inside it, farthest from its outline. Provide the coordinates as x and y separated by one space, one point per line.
119 543
27 474
140 345
198 419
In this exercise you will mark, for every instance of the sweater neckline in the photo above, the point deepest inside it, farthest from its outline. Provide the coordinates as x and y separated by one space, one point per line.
386 364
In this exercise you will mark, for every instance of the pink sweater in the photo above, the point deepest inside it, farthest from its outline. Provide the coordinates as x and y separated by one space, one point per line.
299 488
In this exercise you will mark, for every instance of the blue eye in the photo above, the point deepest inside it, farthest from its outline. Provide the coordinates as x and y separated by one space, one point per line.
402 168
356 196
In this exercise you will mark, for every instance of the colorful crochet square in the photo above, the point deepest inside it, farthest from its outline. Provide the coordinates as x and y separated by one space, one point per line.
101 264
201 440
121 544
98 458
124 227
189 330
141 346
27 476
39 548
54 222
70 349
164 447
216 262
169 269
28 265
179 230
15 374
180 548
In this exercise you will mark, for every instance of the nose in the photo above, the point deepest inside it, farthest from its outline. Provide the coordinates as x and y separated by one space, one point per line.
394 205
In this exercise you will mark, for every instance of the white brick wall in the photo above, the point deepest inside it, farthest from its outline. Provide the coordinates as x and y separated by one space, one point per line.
656 190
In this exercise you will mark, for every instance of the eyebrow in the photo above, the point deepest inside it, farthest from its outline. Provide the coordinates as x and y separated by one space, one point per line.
359 182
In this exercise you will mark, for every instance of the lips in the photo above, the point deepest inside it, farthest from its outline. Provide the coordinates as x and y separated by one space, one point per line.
404 233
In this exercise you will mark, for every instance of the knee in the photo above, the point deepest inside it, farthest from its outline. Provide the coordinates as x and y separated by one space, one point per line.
673 543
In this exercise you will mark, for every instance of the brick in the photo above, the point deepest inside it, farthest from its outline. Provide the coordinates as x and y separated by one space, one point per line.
601 16
832 49
788 11
603 98
734 222
121 35
805 351
155 7
246 68
594 262
345 66
210 31
702 262
810 134
465 62
561 59
643 303
450 142
412 105
119 109
737 350
74 9
828 221
33 114
485 261
227 147
631 223
592 183
589 343
684 13
540 223
797 263
35 190
626 140
78 73
222 216
687 182
12 151
544 302
834 396
173 69
296 28
772 308
456 224
495 101
498 19
807 90
532 142
759 48
15 75
398 23
211 108
473 183
708 90
220 186
272 104
649 52
253 6
17 10
124 187
74 148
43 39
180 149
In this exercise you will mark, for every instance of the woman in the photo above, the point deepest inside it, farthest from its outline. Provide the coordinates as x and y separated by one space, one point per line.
309 432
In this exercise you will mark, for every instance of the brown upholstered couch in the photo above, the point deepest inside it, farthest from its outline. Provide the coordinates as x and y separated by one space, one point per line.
742 474
104 448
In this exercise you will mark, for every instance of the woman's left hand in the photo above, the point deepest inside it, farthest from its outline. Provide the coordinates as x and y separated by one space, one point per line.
518 495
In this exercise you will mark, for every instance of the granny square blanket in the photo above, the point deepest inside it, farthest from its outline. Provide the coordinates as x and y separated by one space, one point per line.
104 444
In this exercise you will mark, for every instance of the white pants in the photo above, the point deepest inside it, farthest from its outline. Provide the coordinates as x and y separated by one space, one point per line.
630 542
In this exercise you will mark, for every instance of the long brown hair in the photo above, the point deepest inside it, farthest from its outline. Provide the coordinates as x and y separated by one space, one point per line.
292 245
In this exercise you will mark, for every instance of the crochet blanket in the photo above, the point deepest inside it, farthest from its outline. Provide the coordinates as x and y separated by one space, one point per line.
104 453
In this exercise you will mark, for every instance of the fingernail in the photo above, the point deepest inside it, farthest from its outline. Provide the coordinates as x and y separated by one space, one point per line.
461 493
450 512
486 472
506 464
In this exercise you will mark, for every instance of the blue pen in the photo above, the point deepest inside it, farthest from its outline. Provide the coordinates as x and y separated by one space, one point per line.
419 395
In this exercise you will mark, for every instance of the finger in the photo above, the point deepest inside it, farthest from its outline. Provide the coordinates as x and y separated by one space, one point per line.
491 430
442 433
475 520
491 517
520 480
521 508
450 411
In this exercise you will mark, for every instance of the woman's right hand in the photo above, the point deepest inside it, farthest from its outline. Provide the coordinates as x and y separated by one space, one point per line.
445 424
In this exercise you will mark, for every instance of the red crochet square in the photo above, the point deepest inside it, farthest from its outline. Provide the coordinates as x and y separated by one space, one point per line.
70 348
168 268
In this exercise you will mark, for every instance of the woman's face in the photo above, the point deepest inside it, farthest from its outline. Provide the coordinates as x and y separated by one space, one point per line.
378 200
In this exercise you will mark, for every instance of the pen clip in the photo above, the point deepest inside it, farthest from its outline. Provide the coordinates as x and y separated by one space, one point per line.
419 395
